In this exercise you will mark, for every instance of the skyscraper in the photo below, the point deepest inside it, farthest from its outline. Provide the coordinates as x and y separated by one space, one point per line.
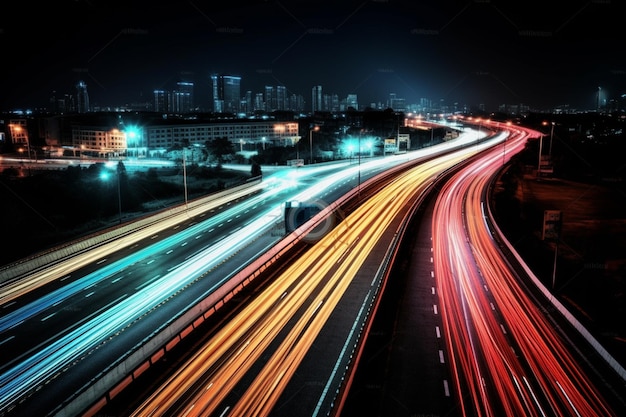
161 101
259 102
183 100
270 98
281 97
316 98
249 104
82 97
352 101
226 93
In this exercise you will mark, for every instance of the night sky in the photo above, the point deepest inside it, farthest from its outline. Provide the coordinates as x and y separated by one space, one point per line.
542 54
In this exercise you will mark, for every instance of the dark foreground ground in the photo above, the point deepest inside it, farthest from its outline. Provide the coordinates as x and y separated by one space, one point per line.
589 273
40 209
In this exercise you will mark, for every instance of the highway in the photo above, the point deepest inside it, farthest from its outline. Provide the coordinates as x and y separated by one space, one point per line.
72 321
247 366
506 356
283 321
60 316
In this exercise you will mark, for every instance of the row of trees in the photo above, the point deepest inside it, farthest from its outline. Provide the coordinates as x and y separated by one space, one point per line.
326 146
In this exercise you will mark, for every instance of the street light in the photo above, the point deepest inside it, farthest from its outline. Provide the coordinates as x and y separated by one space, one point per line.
298 148
504 147
185 176
551 136
359 189
540 151
544 123
119 193
315 128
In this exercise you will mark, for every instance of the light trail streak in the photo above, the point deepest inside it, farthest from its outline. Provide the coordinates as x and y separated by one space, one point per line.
471 277
40 367
318 279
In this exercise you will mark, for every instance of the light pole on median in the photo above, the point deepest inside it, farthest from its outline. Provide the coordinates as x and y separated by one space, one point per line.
119 193
185 177
315 128
297 141
359 189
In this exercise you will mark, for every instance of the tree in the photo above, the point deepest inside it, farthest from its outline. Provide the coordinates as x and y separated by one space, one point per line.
255 169
219 148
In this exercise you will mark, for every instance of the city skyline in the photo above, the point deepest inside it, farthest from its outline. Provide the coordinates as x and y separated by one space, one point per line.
472 53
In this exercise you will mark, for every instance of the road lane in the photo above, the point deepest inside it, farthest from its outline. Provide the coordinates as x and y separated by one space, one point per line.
310 296
508 359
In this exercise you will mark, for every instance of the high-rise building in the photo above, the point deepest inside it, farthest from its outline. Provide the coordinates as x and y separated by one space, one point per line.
226 93
183 97
82 98
316 98
281 97
259 102
326 102
161 101
396 103
270 98
352 101
296 103
180 102
62 104
249 107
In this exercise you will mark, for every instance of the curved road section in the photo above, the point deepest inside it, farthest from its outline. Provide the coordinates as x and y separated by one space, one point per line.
507 358
93 321
250 365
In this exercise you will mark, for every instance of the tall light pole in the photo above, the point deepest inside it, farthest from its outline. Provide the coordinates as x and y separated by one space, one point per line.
315 128
540 151
551 136
504 148
119 192
185 176
359 189
297 149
